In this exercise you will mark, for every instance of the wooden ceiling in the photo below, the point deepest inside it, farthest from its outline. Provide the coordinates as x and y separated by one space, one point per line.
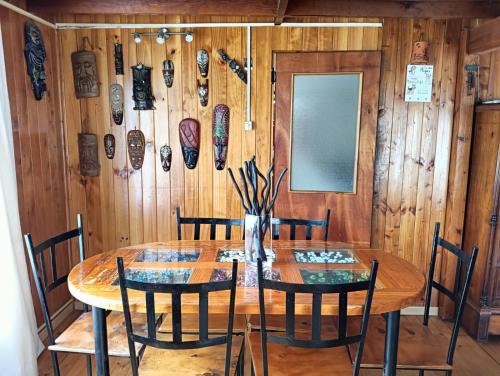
277 9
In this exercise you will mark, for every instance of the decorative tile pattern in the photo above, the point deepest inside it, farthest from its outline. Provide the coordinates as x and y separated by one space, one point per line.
328 256
169 255
178 275
246 277
333 277
228 255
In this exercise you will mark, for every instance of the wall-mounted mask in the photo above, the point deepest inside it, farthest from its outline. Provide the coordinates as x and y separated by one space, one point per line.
85 74
143 96
118 58
166 157
34 53
136 148
220 134
419 53
109 145
233 64
88 154
202 60
189 134
203 92
116 101
168 72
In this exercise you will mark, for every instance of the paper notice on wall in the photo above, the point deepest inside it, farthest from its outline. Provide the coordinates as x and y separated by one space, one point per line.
419 83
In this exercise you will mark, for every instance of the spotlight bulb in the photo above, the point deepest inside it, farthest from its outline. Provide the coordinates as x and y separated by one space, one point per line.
137 38
160 39
189 37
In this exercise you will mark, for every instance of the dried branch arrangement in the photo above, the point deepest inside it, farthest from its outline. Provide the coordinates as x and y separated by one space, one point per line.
253 201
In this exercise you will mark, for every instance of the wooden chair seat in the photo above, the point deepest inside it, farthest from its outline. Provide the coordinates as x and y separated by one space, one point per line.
217 323
420 347
296 361
276 323
79 336
208 361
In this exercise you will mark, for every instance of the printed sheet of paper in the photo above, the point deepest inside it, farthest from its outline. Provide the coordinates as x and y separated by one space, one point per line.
419 83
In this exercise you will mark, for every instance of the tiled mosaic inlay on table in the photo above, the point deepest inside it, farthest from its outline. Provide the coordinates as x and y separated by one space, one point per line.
333 277
228 255
168 255
246 277
177 275
321 256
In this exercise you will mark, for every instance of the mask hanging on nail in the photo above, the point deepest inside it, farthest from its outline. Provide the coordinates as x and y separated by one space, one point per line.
118 58
136 148
88 154
143 96
202 60
203 92
116 101
220 134
34 53
85 73
168 72
109 145
166 157
189 134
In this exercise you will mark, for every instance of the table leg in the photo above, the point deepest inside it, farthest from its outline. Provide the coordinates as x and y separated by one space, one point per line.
100 341
391 343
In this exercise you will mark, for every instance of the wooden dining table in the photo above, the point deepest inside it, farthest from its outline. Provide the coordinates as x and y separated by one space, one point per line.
95 281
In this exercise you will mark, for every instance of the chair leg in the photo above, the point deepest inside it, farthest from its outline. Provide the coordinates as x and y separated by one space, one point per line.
55 363
89 365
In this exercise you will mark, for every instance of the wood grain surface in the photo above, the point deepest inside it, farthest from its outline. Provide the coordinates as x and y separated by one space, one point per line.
399 284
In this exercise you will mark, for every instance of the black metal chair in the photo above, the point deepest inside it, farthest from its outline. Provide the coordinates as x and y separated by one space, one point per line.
213 222
275 354
167 354
78 337
420 346
293 223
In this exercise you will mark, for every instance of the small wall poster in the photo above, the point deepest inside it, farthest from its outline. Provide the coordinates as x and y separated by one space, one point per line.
419 83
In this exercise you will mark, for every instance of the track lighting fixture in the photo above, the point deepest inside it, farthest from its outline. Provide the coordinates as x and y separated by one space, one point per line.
162 35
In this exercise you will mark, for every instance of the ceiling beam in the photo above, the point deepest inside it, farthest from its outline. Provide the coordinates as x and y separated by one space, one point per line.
281 8
484 38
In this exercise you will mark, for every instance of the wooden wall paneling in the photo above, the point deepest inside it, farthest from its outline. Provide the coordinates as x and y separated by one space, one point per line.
174 93
341 35
203 39
161 135
135 203
459 166
218 90
119 162
371 35
325 35
235 100
384 134
190 109
400 111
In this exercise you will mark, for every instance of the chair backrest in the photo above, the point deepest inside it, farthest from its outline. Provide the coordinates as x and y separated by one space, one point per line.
317 291
213 222
44 285
293 223
460 290
176 290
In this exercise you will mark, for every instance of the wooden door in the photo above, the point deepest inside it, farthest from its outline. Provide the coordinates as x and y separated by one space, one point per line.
351 212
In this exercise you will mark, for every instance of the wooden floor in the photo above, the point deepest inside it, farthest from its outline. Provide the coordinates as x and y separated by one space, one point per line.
471 358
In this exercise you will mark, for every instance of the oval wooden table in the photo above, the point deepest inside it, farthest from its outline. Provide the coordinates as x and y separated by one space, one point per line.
94 281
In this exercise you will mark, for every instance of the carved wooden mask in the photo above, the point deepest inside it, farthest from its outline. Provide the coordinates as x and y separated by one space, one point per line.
166 157
189 134
143 95
116 102
220 134
85 74
118 58
203 92
168 72
202 59
88 154
109 145
34 53
136 148
419 53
